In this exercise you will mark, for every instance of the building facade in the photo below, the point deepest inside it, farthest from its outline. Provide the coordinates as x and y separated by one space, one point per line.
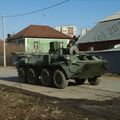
68 30
84 31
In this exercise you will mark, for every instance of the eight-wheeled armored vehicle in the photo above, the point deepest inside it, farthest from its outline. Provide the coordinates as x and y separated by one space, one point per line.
59 66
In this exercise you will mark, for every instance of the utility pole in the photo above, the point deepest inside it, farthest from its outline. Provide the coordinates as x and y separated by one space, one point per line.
4 44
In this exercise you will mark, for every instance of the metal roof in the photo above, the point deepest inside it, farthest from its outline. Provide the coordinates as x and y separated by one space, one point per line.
113 17
103 31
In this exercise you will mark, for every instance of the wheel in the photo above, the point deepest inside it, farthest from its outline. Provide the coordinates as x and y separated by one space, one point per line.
59 79
31 76
94 81
46 78
22 75
79 81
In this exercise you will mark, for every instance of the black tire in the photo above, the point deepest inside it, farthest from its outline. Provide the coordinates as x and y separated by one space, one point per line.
31 76
46 78
79 81
59 79
22 75
94 80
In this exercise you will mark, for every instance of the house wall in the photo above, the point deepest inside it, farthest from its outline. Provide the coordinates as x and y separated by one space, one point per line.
28 45
17 45
98 45
41 45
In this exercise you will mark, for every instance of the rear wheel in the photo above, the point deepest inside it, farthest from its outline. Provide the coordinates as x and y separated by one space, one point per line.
94 80
22 75
46 78
59 79
79 81
31 76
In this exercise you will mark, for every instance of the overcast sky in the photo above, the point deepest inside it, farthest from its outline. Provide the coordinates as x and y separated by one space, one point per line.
82 13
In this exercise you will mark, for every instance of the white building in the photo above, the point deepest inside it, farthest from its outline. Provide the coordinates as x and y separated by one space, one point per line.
67 29
84 31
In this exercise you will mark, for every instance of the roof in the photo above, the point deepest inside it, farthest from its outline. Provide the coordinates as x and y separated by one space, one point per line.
103 31
113 17
39 31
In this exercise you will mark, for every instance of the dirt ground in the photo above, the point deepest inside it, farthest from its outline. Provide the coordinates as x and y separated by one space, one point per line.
17 104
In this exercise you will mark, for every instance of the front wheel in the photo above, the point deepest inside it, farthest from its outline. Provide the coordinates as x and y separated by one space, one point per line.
94 80
59 79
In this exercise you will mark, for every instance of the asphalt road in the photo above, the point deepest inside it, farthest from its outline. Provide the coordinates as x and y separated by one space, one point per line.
109 87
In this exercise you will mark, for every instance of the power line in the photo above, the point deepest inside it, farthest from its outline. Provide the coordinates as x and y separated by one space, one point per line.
32 12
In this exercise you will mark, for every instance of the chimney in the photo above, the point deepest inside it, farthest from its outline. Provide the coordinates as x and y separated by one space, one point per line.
9 35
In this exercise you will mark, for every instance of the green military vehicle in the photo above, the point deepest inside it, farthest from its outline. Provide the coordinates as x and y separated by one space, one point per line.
59 66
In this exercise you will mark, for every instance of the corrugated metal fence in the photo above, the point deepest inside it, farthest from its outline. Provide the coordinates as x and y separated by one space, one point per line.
113 57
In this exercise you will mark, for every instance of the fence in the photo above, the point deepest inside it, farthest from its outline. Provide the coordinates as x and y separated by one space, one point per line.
113 57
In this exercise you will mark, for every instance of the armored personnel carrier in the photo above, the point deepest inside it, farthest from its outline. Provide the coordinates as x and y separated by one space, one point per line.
59 66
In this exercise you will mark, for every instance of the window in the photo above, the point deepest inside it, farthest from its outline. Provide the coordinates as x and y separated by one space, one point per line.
35 45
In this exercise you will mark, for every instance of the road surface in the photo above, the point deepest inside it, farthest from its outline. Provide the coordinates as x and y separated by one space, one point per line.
109 87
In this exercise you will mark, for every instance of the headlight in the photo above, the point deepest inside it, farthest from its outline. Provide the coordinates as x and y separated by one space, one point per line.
68 57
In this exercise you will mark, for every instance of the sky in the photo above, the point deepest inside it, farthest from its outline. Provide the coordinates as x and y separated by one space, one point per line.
81 13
